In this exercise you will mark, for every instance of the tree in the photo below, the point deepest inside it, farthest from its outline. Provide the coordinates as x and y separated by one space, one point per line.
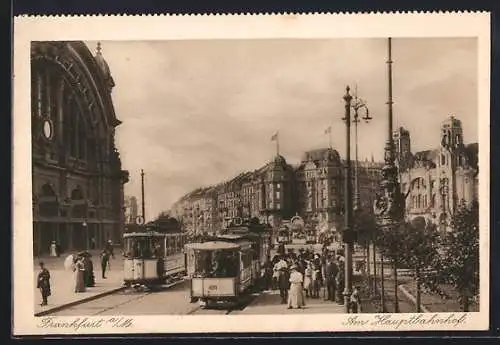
390 243
459 262
420 249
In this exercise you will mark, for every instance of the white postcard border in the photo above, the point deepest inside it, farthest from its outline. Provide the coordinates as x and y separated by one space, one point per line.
93 28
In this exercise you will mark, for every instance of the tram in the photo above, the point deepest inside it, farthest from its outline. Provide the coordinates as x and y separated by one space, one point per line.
153 254
227 266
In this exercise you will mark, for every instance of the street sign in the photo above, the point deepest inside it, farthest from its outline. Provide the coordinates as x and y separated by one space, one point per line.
139 220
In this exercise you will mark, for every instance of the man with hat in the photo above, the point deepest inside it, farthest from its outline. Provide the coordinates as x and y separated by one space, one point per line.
43 283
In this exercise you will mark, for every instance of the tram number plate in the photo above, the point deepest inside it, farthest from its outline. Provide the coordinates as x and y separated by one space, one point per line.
212 287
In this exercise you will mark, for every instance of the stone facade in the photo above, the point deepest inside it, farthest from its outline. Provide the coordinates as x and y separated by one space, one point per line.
435 181
277 192
77 176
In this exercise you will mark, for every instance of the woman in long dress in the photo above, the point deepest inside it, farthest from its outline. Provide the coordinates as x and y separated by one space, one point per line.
79 270
296 293
308 280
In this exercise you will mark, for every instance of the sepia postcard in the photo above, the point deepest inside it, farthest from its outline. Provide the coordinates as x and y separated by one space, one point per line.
251 173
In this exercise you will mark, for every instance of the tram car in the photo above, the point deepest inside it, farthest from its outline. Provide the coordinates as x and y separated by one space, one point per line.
225 267
153 254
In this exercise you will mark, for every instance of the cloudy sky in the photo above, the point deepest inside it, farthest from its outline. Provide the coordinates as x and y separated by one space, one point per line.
198 112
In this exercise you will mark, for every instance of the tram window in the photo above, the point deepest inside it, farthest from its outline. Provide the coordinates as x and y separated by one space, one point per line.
174 244
157 247
224 264
170 245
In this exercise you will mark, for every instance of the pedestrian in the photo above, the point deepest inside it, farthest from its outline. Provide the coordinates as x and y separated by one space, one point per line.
283 283
331 271
89 271
43 283
58 249
79 270
104 262
355 301
109 248
316 281
53 248
308 272
340 282
296 293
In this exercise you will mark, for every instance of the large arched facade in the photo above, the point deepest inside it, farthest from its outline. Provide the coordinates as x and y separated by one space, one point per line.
77 175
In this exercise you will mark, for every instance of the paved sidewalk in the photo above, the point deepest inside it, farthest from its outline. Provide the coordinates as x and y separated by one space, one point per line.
62 281
269 302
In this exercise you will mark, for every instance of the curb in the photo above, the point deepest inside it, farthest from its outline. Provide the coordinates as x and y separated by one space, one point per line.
412 298
80 301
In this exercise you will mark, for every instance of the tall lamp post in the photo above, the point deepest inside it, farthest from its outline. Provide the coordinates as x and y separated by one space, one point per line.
348 233
389 207
357 105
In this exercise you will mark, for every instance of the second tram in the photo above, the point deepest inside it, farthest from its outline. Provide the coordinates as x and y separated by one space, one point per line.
153 255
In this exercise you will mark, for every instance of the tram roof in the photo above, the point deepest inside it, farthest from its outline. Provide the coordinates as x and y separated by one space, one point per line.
212 245
144 234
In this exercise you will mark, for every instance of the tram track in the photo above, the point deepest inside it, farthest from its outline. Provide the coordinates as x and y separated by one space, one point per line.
105 303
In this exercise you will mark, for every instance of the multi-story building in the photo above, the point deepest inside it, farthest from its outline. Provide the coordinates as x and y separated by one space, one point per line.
131 209
77 175
278 191
319 186
435 181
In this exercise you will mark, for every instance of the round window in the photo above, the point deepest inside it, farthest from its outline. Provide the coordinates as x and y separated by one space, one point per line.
47 129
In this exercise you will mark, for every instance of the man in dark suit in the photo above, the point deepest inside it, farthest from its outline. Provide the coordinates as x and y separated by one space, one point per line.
331 271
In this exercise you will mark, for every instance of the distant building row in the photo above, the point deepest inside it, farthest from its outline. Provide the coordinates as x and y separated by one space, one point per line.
278 191
434 182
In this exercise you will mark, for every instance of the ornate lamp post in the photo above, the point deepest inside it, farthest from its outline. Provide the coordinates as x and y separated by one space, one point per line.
389 207
358 104
348 237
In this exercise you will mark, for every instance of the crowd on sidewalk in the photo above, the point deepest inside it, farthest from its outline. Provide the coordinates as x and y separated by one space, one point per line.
309 275
80 264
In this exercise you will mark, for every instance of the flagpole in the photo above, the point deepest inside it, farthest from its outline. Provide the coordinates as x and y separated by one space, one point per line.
330 139
277 143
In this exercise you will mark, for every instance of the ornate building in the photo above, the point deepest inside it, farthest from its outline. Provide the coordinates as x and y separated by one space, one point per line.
277 192
435 181
77 176
319 185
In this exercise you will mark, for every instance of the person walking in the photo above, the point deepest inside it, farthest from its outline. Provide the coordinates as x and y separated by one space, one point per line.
296 293
283 283
104 262
355 301
308 280
43 283
79 270
331 271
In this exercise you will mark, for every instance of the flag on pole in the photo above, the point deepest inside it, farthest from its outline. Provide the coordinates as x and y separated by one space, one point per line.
274 137
328 130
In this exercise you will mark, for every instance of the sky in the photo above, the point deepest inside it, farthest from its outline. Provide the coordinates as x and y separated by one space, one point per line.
197 112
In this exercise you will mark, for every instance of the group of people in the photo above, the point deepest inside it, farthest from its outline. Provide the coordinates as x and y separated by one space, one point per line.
83 269
307 274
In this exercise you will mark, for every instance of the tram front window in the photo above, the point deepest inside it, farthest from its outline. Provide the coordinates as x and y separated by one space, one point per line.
138 247
216 264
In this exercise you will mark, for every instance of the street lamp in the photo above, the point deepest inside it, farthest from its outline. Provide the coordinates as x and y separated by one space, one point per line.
348 237
389 207
356 105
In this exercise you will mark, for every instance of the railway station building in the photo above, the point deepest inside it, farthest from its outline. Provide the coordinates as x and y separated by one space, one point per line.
77 176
